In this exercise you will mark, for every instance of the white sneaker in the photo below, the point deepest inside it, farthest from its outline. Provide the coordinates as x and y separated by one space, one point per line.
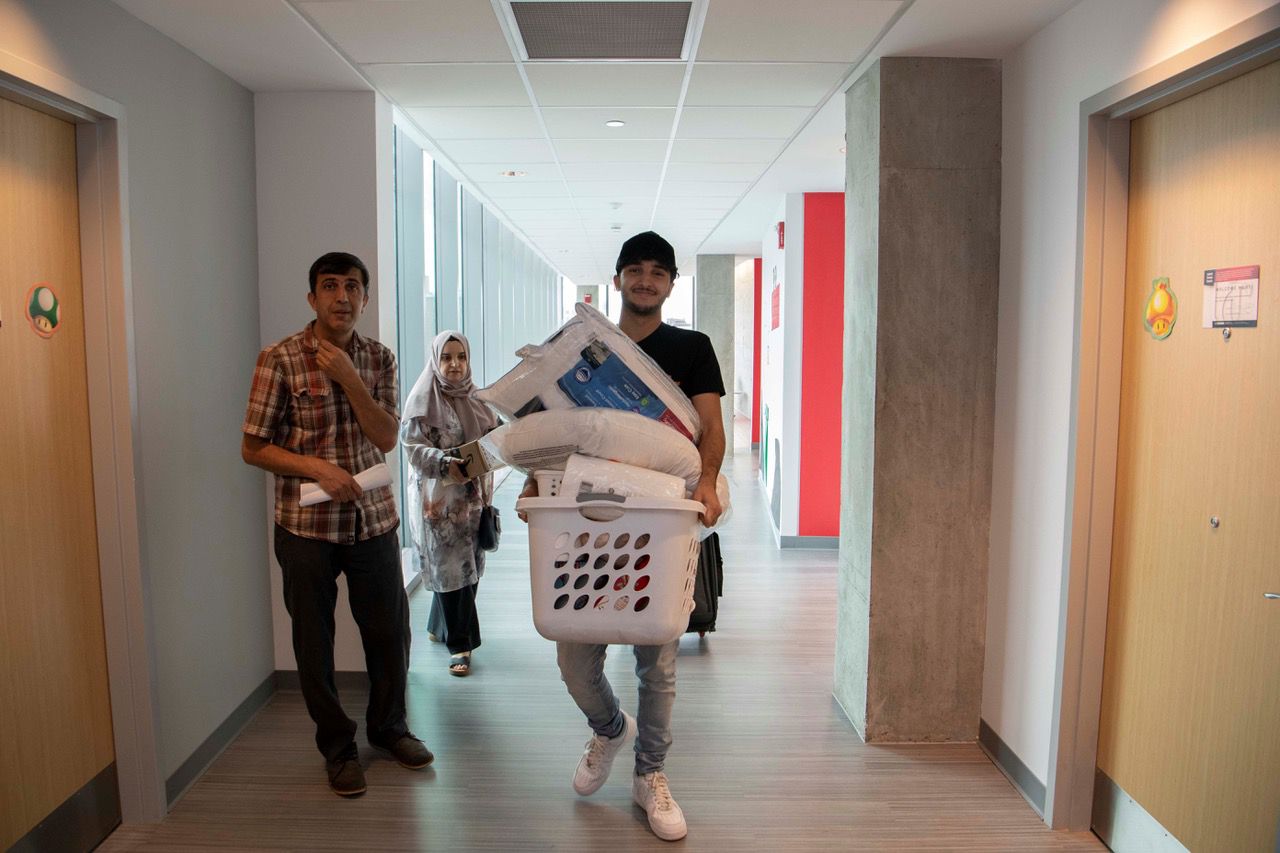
597 758
651 793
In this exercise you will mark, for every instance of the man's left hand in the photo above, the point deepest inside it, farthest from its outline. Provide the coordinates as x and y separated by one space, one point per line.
705 494
337 365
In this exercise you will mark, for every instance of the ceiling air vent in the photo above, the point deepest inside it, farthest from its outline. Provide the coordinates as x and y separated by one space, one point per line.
602 30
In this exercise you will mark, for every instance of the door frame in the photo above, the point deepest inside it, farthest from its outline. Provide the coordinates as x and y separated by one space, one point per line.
1101 234
102 182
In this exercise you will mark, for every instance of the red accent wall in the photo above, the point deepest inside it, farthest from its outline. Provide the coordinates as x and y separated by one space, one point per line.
755 354
822 364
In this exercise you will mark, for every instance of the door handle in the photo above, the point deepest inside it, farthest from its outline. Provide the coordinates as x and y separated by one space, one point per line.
1274 596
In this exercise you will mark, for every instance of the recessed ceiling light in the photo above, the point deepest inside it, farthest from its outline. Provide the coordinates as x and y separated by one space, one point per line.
613 122
513 173
843 148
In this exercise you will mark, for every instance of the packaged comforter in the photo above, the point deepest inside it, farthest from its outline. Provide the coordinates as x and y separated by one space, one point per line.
590 362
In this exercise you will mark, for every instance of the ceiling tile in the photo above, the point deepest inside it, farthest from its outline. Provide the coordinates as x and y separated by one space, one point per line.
714 171
484 123
740 123
815 30
693 209
611 171
626 205
497 150
531 206
411 30
589 123
762 84
614 189
725 150
516 189
266 47
611 151
451 85
704 189
590 84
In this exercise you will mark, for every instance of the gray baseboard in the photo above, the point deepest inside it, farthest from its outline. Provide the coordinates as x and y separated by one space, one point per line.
287 679
1124 825
816 543
82 822
1031 788
193 768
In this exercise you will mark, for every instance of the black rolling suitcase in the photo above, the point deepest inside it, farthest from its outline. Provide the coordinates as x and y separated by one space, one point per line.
708 585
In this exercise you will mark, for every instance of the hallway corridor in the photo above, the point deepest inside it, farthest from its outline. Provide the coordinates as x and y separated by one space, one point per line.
763 758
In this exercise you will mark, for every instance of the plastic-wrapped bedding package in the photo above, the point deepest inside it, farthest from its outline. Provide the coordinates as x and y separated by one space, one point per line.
586 474
590 362
546 440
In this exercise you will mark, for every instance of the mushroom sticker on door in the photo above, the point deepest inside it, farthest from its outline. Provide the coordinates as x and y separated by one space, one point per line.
1162 309
43 312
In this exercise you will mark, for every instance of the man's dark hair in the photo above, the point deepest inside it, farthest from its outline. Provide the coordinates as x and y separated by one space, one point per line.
337 263
647 246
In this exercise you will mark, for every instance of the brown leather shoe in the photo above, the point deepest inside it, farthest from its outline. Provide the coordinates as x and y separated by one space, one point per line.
346 777
409 751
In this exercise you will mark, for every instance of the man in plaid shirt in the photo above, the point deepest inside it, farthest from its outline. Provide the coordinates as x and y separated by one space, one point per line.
323 407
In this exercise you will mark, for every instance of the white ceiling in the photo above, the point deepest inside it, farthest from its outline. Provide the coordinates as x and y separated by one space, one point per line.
710 143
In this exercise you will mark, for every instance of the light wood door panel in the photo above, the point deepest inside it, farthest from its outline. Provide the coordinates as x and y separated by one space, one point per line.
1190 723
53 675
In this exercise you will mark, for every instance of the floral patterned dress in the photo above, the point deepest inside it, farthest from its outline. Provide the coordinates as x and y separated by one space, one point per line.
443 517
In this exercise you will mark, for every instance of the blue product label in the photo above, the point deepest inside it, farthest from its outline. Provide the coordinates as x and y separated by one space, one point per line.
602 380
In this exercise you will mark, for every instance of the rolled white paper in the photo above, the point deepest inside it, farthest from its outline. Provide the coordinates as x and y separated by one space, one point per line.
370 478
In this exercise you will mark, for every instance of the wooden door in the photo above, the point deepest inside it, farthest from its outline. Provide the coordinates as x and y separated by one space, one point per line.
53 674
1190 723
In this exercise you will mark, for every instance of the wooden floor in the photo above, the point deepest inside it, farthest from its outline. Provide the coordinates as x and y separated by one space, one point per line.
763 758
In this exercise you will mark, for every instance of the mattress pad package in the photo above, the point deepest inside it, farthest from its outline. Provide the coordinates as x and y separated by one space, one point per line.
589 475
546 440
590 362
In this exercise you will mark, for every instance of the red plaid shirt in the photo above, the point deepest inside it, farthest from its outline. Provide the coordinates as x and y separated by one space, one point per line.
293 404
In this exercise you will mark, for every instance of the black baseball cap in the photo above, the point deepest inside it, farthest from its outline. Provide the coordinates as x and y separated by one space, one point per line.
647 246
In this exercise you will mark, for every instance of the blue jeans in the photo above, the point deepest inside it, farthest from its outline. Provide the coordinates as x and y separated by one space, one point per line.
582 668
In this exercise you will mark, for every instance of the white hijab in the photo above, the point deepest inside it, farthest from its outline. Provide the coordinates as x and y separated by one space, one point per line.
433 396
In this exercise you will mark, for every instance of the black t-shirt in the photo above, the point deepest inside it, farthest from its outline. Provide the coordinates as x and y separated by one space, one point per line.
687 357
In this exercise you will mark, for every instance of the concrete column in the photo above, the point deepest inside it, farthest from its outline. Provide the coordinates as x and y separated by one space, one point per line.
713 315
921 276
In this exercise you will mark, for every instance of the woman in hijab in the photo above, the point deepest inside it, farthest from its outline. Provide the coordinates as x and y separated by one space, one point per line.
440 415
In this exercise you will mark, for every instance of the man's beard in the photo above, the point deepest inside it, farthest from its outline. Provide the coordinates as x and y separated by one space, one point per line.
640 310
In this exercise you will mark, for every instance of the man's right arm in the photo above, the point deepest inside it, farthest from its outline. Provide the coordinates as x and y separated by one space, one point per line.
339 484
268 400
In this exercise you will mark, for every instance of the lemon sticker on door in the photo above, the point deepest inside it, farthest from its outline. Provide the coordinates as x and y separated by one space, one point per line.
1162 309
43 311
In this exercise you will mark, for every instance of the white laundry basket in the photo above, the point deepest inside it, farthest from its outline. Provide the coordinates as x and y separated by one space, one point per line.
607 569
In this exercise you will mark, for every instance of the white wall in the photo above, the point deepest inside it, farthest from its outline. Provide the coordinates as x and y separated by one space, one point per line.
322 186
780 360
744 336
1093 46
193 268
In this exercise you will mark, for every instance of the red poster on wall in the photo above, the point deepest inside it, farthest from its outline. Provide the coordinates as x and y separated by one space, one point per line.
776 308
